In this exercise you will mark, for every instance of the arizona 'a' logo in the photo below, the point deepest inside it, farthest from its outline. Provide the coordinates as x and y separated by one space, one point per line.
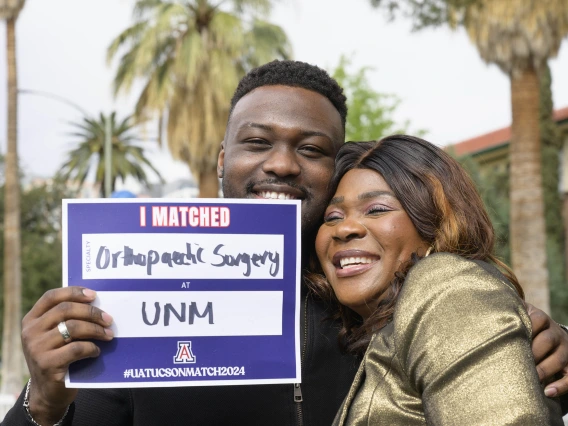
184 354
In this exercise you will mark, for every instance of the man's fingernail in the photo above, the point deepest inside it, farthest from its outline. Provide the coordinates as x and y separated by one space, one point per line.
550 392
107 318
109 332
89 293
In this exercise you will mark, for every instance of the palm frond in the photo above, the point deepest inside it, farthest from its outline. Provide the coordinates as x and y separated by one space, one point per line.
266 41
127 157
190 55
517 34
262 7
130 35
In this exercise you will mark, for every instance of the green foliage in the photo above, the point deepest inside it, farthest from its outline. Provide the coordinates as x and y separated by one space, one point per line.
41 241
551 146
426 13
370 114
433 13
127 158
494 190
191 54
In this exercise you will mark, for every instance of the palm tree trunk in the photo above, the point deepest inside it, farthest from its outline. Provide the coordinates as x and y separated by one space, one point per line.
12 358
528 238
565 221
209 183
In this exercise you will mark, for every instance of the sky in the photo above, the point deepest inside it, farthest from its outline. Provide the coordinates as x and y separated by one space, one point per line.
444 86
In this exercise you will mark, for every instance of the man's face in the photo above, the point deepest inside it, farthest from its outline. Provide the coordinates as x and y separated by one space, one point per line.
281 143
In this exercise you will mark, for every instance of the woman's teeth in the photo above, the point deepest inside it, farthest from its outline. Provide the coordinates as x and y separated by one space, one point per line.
350 261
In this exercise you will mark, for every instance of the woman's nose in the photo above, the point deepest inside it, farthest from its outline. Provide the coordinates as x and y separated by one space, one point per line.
349 229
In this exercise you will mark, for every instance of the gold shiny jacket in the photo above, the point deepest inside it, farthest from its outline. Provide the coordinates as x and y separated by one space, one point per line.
456 353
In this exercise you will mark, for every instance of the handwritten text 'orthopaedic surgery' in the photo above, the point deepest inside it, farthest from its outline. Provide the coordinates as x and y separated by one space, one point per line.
129 257
167 255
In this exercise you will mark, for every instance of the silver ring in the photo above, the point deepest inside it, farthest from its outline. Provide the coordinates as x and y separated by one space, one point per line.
64 332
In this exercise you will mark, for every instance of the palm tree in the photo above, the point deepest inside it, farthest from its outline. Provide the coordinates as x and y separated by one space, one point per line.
520 36
191 55
127 158
12 360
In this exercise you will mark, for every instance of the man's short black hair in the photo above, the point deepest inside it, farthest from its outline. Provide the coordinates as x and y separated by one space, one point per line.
295 74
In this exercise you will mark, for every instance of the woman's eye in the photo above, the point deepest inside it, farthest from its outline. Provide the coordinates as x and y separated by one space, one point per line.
330 217
377 210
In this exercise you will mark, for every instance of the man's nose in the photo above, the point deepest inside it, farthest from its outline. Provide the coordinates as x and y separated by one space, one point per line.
349 229
282 162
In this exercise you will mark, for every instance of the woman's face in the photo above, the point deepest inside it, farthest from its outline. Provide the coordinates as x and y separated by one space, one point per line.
365 238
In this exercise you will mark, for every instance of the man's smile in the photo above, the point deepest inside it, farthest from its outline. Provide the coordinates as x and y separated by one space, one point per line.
276 191
276 195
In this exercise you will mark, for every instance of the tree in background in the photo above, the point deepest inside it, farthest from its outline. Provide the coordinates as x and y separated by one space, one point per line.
12 358
41 243
518 36
128 158
191 55
551 147
494 189
426 13
370 113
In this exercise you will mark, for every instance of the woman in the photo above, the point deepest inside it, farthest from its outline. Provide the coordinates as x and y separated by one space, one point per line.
407 250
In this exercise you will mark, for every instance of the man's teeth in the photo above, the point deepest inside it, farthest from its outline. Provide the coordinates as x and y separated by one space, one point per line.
349 261
276 195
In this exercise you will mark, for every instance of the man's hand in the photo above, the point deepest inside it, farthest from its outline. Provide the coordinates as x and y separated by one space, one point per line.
550 350
47 354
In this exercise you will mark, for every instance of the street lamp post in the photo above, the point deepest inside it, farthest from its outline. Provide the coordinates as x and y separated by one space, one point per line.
108 154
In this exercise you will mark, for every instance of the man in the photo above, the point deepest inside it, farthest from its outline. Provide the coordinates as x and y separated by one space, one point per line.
286 123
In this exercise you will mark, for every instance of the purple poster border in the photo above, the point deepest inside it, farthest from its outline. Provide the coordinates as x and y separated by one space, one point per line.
188 359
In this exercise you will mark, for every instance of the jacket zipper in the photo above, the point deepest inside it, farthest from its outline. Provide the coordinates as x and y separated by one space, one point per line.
297 388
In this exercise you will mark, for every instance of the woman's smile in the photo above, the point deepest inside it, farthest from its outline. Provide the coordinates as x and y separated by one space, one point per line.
353 262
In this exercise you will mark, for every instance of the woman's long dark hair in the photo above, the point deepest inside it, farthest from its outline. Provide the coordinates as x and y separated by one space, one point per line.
442 203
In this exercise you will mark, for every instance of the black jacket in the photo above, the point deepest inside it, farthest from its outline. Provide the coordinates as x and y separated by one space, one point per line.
326 377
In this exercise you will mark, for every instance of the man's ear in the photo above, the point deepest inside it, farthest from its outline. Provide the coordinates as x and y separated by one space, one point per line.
221 161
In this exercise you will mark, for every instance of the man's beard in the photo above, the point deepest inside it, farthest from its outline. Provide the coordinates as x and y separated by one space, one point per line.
310 221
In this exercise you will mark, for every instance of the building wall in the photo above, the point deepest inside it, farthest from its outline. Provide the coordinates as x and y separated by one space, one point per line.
496 157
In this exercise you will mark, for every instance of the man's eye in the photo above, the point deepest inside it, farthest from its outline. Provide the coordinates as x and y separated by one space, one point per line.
311 150
257 143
